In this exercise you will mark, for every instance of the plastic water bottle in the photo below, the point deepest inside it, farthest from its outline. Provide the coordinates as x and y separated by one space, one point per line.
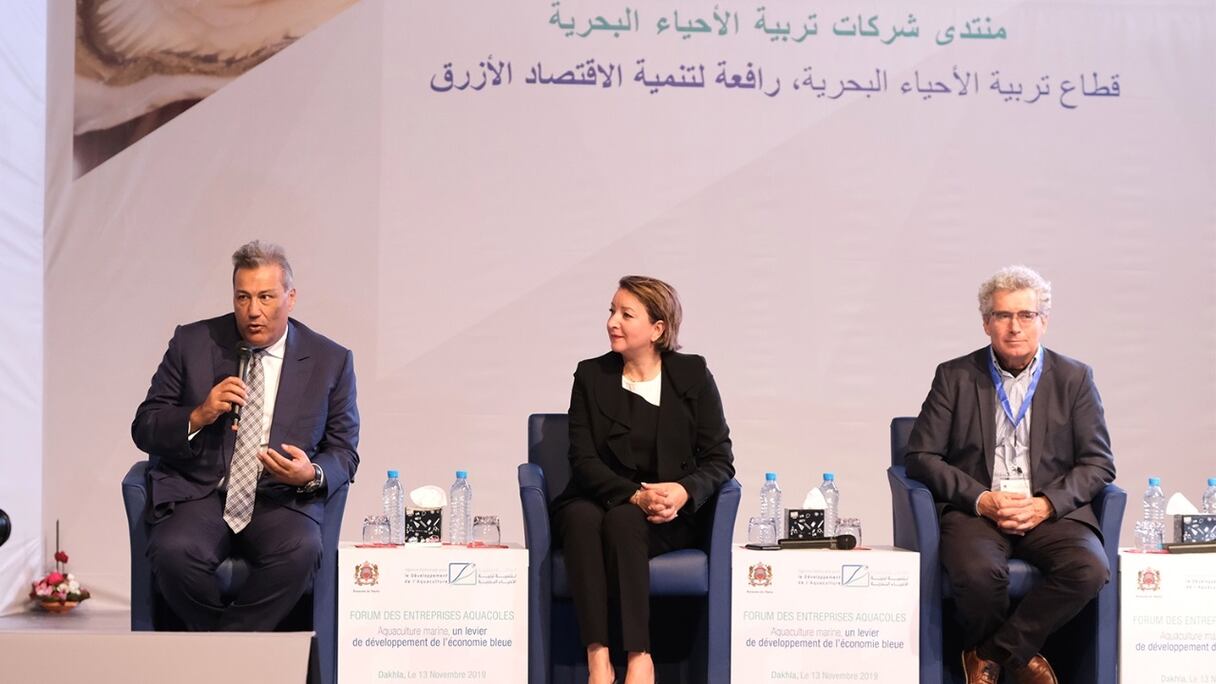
1209 496
831 511
460 509
1154 502
394 507
770 503
1154 511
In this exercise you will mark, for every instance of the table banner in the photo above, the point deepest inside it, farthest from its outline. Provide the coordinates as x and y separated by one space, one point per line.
1167 618
817 615
432 613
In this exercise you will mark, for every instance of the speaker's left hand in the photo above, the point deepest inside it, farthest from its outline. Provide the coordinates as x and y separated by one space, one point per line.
294 469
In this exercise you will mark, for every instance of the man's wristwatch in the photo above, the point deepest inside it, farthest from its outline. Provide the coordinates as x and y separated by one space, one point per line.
316 483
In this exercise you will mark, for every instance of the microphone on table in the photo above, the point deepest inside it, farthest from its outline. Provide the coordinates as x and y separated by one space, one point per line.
6 527
842 542
244 353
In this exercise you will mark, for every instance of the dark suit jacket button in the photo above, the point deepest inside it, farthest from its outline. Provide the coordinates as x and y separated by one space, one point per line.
684 465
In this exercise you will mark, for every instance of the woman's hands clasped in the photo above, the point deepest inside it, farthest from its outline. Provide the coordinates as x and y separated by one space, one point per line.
661 501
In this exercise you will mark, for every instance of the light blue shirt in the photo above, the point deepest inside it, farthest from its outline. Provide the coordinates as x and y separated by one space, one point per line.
1012 453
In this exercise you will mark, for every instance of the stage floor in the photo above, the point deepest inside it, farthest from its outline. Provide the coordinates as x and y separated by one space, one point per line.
83 619
98 646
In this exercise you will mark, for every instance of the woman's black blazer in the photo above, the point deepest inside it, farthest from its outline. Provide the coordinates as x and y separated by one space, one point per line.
694 445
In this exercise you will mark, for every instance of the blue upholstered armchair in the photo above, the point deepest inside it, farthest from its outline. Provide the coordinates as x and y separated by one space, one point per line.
1083 651
690 587
316 611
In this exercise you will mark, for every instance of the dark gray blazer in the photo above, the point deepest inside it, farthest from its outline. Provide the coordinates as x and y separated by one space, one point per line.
952 446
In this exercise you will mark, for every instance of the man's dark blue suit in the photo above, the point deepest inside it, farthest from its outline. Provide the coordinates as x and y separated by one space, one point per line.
315 410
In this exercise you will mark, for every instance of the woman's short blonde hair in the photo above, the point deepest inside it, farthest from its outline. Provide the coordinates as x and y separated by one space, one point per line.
662 304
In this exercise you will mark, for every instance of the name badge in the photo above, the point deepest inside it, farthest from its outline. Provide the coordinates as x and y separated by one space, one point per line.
1015 484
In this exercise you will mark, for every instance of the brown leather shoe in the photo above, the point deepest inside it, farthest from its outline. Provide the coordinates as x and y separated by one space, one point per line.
1037 671
980 671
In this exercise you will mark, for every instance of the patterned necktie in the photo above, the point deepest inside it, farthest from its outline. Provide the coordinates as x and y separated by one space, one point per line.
245 469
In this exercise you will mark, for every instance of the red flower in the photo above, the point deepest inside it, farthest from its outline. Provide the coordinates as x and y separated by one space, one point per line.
54 579
61 557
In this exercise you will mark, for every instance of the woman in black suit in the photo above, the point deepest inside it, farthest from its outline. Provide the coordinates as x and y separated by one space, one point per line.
649 446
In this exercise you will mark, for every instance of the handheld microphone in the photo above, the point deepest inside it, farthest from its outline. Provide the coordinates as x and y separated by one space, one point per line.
244 353
6 527
842 542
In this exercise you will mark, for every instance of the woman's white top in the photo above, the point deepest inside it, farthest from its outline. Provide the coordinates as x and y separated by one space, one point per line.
650 390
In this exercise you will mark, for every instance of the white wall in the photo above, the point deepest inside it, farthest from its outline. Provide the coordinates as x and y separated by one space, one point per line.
22 157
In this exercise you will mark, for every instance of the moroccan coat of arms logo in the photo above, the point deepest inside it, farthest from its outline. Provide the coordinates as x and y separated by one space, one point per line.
760 575
1148 579
367 574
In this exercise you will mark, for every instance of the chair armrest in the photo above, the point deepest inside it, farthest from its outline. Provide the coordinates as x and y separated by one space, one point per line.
721 536
722 529
533 496
913 514
331 527
135 501
916 528
719 548
534 499
1109 506
325 586
135 496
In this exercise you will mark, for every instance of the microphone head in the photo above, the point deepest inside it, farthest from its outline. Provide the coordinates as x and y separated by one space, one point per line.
844 542
6 527
244 355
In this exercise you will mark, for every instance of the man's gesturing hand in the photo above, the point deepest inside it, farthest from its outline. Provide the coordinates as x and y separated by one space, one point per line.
293 469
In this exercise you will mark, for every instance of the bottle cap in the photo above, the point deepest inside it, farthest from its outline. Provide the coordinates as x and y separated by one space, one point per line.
829 477
461 474
1154 481
770 477
1212 481
392 473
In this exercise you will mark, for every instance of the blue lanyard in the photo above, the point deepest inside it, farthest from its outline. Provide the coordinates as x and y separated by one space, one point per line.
1004 397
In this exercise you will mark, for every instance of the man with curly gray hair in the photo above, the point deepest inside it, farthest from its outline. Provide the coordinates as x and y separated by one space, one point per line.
1012 441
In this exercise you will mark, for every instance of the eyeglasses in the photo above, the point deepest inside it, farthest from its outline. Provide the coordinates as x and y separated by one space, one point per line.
1024 317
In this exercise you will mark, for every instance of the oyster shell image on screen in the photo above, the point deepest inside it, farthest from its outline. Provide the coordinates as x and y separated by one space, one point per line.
139 63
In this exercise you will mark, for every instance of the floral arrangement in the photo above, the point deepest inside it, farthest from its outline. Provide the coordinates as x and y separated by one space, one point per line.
58 587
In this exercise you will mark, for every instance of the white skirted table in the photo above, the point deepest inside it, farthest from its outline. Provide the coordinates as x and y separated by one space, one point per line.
820 615
1167 617
420 613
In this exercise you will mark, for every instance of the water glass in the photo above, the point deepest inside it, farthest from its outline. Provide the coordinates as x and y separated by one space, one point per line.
376 530
849 526
1149 536
486 531
762 531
